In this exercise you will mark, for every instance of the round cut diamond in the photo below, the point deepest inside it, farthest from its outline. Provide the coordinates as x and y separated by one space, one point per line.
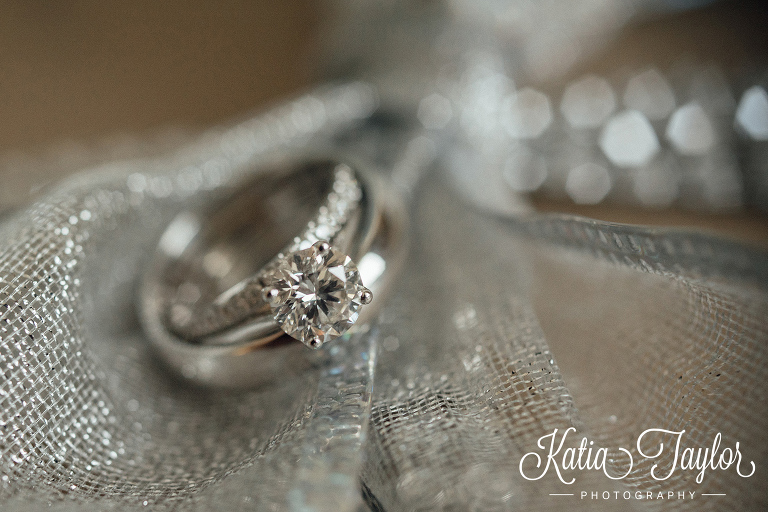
315 294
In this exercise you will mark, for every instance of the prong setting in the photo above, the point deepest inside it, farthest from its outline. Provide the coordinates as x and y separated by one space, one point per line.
315 294
269 294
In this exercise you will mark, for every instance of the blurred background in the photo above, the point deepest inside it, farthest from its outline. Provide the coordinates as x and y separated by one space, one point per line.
639 111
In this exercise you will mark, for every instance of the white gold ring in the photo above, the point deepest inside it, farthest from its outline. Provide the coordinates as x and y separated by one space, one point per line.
305 248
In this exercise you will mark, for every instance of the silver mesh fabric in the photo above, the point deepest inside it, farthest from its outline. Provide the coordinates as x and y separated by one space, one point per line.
501 329
90 419
523 326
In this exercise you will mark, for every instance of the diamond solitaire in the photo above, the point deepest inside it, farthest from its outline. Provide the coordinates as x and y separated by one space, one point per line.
315 294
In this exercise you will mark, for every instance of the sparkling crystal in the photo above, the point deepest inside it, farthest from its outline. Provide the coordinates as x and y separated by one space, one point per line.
315 294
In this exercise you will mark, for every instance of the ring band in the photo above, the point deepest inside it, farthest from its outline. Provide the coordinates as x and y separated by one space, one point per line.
275 257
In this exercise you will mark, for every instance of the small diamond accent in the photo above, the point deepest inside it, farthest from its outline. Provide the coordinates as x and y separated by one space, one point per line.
315 294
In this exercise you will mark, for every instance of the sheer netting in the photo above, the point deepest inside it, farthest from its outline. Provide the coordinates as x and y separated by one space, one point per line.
501 329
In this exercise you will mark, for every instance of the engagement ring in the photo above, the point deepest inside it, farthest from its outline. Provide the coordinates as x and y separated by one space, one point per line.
304 248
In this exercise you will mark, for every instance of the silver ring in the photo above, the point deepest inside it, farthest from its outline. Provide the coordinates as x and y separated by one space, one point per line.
304 249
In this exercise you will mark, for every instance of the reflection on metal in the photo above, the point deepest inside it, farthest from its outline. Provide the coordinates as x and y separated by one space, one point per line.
588 102
588 183
628 139
526 114
752 113
650 93
690 130
524 170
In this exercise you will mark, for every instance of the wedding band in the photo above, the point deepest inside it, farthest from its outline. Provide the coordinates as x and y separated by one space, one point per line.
304 249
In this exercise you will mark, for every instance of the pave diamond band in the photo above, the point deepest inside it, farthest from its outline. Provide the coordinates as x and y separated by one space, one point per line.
209 323
299 249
